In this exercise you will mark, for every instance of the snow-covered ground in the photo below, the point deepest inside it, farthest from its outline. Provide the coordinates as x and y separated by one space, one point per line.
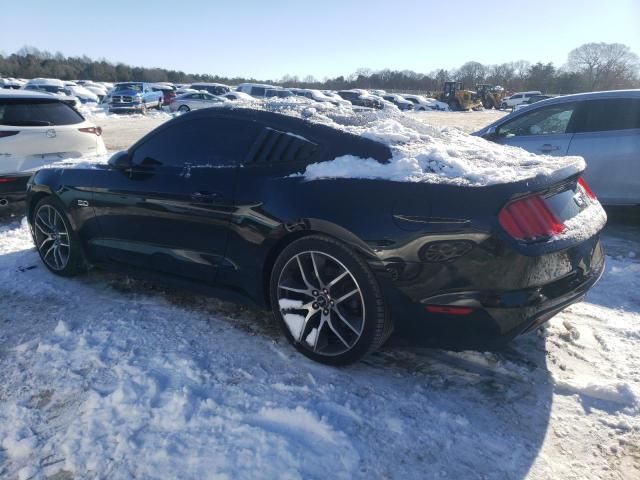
107 377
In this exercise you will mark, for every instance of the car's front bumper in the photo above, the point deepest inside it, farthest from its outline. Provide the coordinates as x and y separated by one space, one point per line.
126 107
487 313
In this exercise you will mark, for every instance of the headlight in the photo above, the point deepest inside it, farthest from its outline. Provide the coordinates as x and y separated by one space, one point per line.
136 99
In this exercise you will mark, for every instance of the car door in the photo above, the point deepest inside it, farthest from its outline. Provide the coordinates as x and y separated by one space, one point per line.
608 137
546 130
169 212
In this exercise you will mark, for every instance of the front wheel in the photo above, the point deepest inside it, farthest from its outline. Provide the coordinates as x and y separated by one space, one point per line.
57 243
327 301
184 109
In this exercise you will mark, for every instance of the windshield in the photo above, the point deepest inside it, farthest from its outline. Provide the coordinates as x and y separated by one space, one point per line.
129 86
278 93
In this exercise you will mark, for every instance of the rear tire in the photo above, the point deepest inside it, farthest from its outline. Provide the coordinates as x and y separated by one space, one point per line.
57 243
334 309
184 109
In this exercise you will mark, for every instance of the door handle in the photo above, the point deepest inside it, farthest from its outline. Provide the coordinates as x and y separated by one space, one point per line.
547 147
204 196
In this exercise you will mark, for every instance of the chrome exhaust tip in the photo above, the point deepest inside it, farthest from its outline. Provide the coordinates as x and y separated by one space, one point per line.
4 202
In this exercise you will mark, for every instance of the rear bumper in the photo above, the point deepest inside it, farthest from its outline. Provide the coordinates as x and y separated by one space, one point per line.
13 190
490 318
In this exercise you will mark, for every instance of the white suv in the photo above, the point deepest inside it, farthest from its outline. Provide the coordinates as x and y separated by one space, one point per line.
518 98
256 89
37 129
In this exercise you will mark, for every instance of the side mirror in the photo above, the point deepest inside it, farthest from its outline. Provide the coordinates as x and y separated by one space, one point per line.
491 134
120 161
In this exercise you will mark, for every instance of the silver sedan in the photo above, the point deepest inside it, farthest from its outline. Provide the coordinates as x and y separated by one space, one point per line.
601 127
193 101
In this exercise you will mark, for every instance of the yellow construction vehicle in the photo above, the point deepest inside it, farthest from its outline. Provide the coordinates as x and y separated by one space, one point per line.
490 95
459 99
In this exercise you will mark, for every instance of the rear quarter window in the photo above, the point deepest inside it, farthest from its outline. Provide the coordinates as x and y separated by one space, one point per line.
37 113
609 114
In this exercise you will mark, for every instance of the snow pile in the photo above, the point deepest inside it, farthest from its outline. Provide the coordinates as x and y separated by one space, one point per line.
620 392
422 153
158 415
95 112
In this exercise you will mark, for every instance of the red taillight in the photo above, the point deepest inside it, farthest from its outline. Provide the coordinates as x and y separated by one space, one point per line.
8 179
448 310
586 188
9 133
529 219
95 130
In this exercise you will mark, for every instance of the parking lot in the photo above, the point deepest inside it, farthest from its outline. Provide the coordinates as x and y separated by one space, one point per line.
109 375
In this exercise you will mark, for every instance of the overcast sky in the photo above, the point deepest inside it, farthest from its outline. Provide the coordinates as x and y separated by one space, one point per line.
268 39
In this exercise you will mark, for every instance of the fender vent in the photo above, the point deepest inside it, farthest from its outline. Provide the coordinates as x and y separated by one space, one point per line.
274 146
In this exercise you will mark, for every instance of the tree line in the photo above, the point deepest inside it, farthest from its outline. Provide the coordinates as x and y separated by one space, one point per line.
590 67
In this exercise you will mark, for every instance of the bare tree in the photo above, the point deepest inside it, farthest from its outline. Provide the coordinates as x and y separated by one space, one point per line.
604 65
471 73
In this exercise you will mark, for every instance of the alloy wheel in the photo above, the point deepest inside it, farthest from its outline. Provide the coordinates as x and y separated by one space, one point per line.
321 303
51 237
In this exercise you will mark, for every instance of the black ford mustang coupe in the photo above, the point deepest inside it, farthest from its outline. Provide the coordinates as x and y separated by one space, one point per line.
213 201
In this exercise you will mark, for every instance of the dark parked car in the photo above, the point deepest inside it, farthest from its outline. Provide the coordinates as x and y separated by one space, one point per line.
212 88
208 201
361 99
398 101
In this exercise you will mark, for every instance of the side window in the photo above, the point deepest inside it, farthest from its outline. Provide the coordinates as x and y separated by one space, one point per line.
516 97
257 91
211 142
610 114
544 121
